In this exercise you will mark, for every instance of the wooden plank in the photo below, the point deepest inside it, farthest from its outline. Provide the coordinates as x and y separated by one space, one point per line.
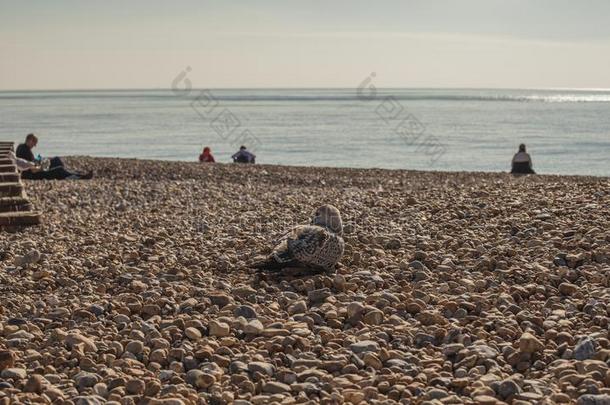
17 203
17 219
16 208
8 169
11 189
9 177
20 199
5 161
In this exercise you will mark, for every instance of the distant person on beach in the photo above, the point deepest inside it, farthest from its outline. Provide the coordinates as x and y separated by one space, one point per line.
24 150
522 162
55 171
243 156
206 156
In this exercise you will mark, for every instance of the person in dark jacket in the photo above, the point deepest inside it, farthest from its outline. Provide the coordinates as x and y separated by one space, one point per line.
243 156
56 170
24 150
522 162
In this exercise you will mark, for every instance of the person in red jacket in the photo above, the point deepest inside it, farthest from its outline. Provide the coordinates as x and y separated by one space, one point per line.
206 156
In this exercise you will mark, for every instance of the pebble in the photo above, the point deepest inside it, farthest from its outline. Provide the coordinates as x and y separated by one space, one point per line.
89 400
364 346
274 387
199 379
7 359
298 307
355 311
568 288
246 311
13 373
319 295
76 339
585 349
372 360
220 299
85 379
529 343
219 329
31 257
261 367
135 347
590 399
508 388
135 386
254 327
35 383
485 400
393 244
373 317
192 333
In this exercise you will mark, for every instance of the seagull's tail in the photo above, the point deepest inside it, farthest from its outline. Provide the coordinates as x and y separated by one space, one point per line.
268 265
271 264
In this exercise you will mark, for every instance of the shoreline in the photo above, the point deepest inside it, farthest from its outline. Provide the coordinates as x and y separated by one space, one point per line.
381 169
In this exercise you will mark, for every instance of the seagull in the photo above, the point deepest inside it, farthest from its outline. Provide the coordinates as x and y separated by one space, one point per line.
316 247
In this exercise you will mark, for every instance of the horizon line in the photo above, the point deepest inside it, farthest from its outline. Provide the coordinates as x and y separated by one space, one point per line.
597 89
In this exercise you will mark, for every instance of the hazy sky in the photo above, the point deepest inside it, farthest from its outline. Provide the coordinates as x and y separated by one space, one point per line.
65 44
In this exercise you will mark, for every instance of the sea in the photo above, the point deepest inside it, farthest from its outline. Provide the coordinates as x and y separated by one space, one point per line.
566 131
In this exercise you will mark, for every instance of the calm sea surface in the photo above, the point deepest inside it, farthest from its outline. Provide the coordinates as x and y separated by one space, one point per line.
566 131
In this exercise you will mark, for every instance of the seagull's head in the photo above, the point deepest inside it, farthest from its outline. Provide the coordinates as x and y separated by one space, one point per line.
328 217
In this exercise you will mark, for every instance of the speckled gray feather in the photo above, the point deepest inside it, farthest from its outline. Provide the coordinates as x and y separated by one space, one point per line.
313 246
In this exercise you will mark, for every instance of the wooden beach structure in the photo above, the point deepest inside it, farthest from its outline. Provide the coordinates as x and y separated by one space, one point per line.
16 211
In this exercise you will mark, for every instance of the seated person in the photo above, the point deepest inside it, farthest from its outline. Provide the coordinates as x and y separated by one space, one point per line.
56 170
522 162
206 156
243 156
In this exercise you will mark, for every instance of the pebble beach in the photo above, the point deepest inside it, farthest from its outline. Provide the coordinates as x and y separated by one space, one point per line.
474 288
